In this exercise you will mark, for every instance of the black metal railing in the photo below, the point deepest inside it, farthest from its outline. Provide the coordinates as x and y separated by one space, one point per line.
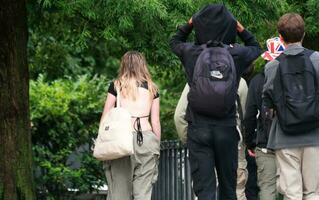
174 178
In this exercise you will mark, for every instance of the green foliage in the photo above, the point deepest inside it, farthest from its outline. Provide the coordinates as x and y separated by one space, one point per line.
259 16
65 116
308 9
311 17
76 46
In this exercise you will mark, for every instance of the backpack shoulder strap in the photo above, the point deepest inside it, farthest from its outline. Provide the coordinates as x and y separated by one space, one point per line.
118 98
308 52
281 57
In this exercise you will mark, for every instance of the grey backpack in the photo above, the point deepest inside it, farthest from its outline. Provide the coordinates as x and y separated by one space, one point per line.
214 86
297 93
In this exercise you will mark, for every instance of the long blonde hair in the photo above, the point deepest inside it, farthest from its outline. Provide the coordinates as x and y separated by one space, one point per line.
133 73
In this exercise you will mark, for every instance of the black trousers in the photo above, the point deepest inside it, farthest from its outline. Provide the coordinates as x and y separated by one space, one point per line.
251 185
211 147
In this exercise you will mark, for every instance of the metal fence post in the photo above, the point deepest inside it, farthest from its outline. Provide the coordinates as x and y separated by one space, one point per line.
174 179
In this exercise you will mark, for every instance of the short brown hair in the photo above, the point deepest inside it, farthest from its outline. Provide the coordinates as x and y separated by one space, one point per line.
291 27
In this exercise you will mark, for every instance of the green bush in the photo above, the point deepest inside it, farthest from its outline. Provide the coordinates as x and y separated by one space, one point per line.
65 115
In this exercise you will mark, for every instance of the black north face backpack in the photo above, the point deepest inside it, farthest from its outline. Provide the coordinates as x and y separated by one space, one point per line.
297 91
214 86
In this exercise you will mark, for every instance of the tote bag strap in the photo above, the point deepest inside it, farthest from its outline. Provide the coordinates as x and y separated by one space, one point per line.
118 97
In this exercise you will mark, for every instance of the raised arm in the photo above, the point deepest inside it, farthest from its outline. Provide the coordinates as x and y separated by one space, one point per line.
178 41
245 54
187 52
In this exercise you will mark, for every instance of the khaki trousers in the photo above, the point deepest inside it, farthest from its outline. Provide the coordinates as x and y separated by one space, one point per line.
242 174
132 177
299 173
266 174
179 116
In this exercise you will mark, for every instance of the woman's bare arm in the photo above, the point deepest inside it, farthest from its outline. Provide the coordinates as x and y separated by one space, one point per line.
155 117
109 104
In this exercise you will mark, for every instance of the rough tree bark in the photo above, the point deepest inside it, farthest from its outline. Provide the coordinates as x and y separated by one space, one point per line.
16 177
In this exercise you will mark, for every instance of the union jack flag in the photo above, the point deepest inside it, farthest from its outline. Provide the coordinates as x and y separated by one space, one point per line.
275 48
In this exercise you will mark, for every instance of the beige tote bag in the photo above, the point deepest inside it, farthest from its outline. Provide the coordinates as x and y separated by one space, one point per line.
115 137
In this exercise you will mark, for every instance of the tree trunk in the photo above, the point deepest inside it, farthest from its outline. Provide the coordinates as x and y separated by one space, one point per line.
16 177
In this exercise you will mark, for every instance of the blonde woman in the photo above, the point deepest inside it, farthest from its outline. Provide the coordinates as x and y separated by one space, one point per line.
132 177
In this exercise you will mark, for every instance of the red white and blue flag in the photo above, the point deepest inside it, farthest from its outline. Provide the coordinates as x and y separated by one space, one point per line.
275 48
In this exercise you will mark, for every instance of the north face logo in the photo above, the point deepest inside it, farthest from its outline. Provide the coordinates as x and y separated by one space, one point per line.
216 74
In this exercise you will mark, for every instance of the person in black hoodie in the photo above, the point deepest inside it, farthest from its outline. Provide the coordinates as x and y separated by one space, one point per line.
257 128
213 142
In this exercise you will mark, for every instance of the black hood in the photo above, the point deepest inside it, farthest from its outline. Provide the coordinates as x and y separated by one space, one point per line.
214 22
